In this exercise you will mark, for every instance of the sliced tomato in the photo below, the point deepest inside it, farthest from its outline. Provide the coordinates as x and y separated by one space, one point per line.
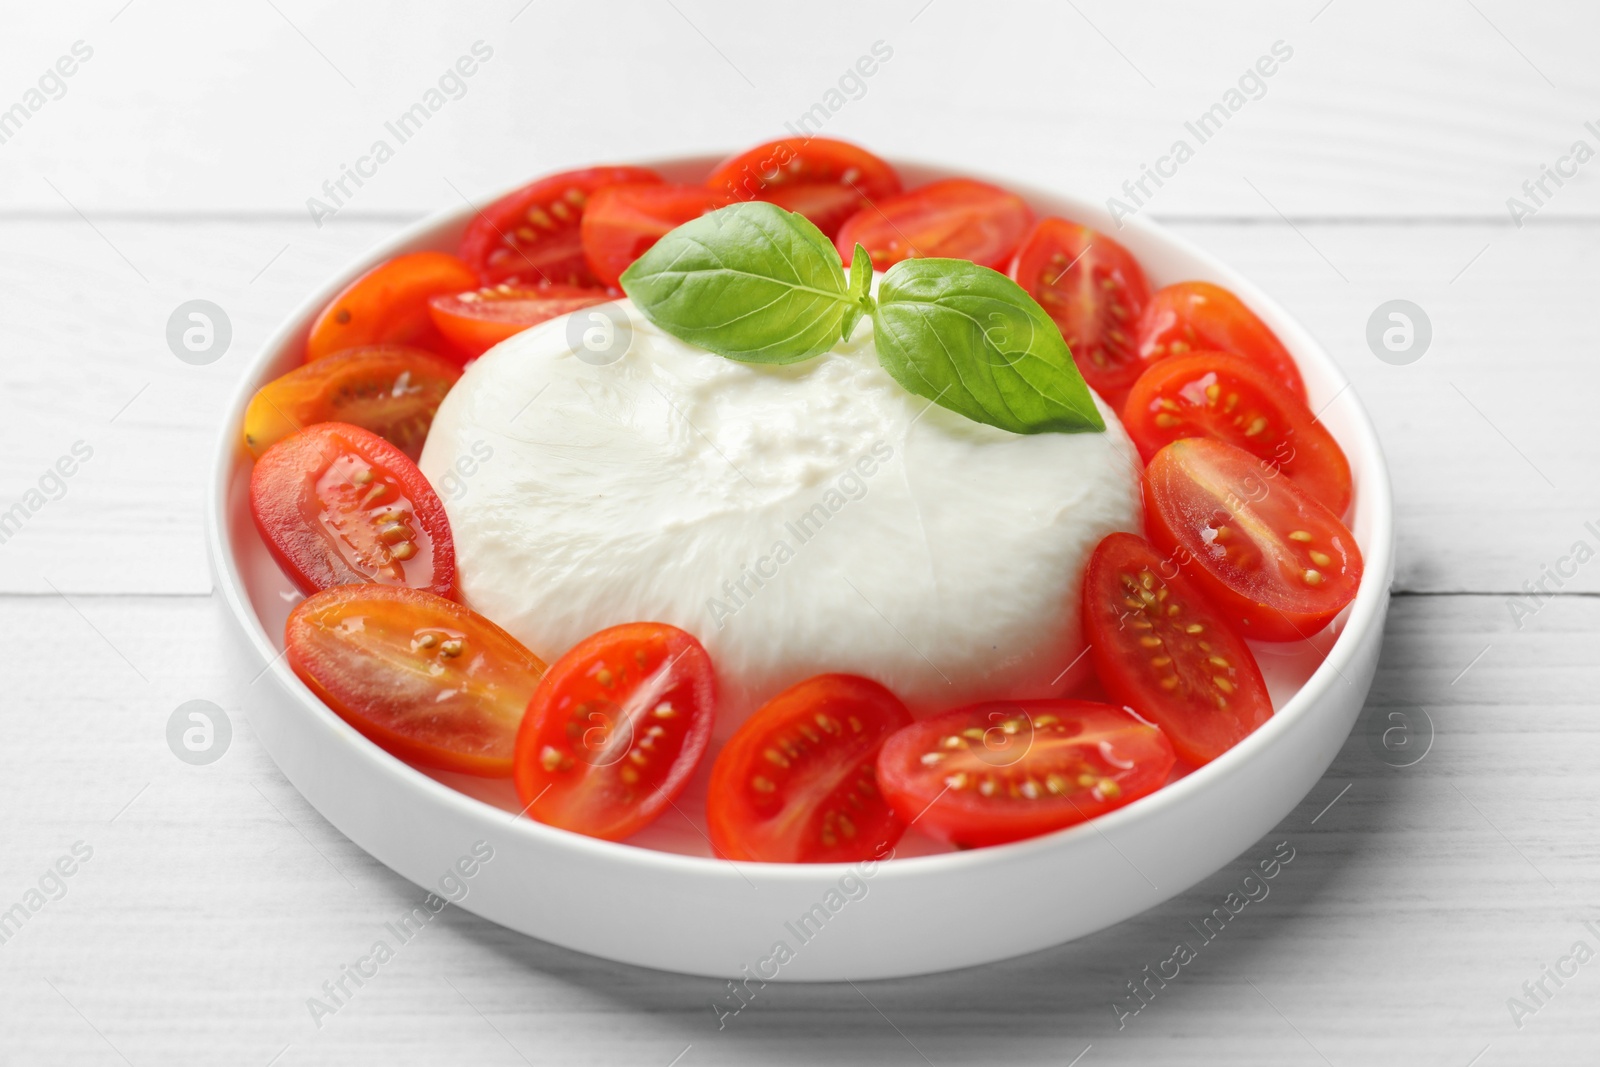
428 680
531 237
1161 648
1002 771
1095 291
825 180
798 782
476 321
1192 316
389 305
615 729
956 219
1213 394
623 221
1276 563
391 390
339 505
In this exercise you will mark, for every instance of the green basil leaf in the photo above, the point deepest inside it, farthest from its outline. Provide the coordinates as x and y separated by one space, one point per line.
860 291
751 281
972 340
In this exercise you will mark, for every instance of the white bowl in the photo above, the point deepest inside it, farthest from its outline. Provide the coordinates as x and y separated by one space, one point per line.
670 908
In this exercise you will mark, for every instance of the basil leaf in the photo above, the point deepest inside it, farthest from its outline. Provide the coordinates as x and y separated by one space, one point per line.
860 291
974 341
751 281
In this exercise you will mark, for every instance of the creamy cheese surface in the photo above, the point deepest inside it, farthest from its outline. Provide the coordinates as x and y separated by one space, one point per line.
797 520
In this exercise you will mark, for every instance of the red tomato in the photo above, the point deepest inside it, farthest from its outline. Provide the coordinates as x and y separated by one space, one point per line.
827 181
1095 291
1002 771
615 729
425 678
623 221
391 390
339 505
1213 394
1191 316
956 219
1276 563
475 322
389 305
1162 649
797 783
530 237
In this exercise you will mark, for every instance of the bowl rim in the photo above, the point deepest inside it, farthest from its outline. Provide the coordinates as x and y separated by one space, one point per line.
1366 610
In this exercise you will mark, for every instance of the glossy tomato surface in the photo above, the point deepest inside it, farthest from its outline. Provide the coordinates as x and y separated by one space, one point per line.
623 221
392 390
825 180
1161 648
798 782
956 218
1276 563
389 305
615 730
1005 770
339 505
428 680
531 236
1194 316
1213 394
476 321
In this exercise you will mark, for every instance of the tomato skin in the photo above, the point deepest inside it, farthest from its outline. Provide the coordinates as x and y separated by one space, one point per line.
1276 563
934 772
389 305
475 322
1160 648
391 390
424 678
1096 292
615 730
339 505
623 221
531 236
820 739
825 180
1214 394
1191 316
956 218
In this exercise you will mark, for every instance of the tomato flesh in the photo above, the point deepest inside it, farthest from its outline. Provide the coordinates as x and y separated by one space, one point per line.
1276 563
339 505
389 305
825 180
615 729
956 218
1005 770
531 236
798 782
1194 316
475 322
1096 292
425 678
1161 648
391 390
623 221
1213 394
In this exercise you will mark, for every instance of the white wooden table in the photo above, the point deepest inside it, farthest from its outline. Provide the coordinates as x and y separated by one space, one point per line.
175 163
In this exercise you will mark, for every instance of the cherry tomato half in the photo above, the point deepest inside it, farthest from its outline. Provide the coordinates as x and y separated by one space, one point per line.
1191 316
615 729
475 322
389 305
428 680
391 390
1162 649
825 180
798 783
1095 291
1274 561
623 221
956 218
1213 394
530 237
1002 771
339 505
